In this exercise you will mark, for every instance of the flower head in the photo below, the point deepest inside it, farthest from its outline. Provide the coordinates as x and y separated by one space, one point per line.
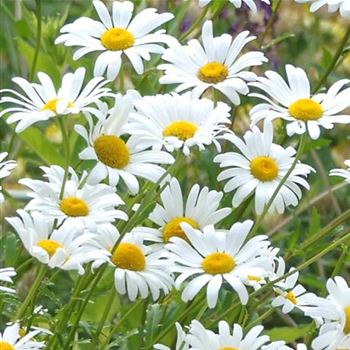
342 172
5 169
343 6
6 275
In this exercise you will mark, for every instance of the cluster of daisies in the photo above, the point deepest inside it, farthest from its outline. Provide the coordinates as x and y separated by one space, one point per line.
70 219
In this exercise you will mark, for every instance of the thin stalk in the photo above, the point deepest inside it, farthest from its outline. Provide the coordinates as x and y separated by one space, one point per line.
195 24
38 38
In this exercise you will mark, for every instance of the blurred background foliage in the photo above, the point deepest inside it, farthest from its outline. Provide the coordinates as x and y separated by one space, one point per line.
296 36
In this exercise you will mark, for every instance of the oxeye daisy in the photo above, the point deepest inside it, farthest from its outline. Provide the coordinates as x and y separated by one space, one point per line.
11 339
115 156
177 121
294 102
66 248
200 210
42 101
278 345
213 257
116 35
333 5
215 63
342 172
6 275
259 170
5 169
181 343
334 334
226 338
80 205
238 3
138 270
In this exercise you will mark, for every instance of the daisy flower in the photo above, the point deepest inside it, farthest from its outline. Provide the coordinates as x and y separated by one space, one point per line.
238 3
333 5
5 276
5 169
80 205
200 210
115 157
226 338
177 121
42 101
138 271
214 64
116 35
12 340
259 170
278 345
334 334
291 295
181 343
342 173
213 257
65 248
294 102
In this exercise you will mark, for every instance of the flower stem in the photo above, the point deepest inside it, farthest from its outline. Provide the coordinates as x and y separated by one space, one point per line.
195 24
38 38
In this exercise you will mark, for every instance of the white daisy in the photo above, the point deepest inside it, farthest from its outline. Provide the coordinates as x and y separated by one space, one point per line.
115 35
290 295
66 248
43 102
214 64
5 169
138 271
294 102
333 5
115 157
237 3
200 338
342 173
334 334
259 170
11 339
278 345
177 121
214 257
200 210
5 276
181 343
81 204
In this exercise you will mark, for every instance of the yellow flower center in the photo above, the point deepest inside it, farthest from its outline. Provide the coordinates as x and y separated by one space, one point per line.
218 263
291 297
129 256
22 332
117 39
264 168
347 320
74 206
51 105
305 109
112 151
254 278
49 245
173 228
182 129
228 348
6 346
213 72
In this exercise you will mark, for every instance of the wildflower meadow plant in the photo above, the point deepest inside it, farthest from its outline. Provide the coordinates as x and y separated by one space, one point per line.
175 175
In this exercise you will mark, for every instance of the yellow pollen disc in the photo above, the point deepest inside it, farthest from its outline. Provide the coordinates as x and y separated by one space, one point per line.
129 256
182 129
347 320
305 109
218 263
173 228
212 72
254 278
74 206
117 39
291 297
49 245
6 346
22 332
112 151
51 105
228 348
264 168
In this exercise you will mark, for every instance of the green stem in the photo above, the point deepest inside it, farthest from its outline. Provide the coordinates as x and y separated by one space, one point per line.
335 59
38 38
195 24
66 153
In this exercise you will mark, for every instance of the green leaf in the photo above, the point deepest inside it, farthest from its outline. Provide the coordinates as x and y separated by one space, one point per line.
279 39
288 334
